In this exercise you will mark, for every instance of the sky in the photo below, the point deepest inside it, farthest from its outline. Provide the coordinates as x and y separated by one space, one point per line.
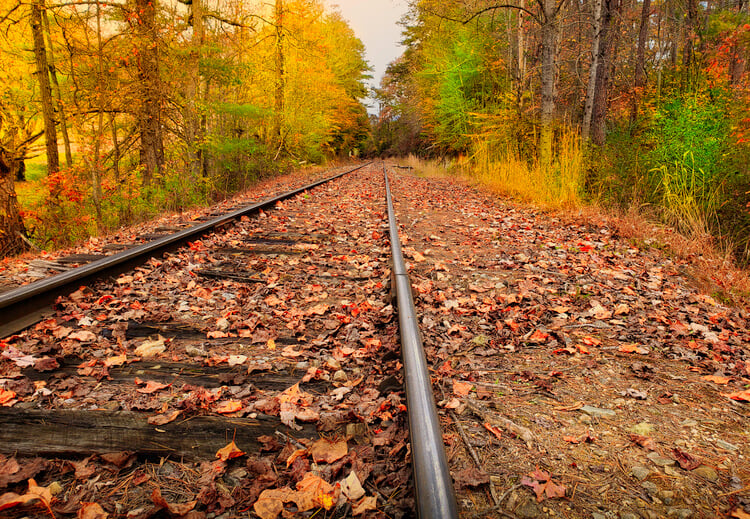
374 22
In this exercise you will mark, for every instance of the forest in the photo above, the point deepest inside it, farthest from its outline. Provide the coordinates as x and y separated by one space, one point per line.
629 105
127 108
123 109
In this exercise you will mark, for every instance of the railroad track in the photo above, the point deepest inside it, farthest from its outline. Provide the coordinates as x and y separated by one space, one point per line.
273 326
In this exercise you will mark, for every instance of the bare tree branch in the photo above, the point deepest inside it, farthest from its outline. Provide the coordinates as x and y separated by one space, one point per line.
482 11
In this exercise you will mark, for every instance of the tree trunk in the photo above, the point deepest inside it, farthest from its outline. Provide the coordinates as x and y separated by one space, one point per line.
11 223
601 90
588 108
149 116
42 73
640 58
56 92
549 44
193 124
278 104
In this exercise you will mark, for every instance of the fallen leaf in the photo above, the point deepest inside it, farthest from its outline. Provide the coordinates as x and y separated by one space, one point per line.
151 386
314 491
7 397
742 396
716 379
740 514
494 430
173 508
270 503
46 364
164 418
644 441
83 336
470 476
117 360
366 504
351 487
151 348
327 451
91 511
591 341
633 348
229 406
236 360
686 461
229 452
538 336
543 486
298 453
462 388
35 493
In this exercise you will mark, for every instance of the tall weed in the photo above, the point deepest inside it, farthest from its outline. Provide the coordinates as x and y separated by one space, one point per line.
503 170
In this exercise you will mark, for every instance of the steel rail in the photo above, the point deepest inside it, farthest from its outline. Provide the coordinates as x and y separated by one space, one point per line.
432 480
25 305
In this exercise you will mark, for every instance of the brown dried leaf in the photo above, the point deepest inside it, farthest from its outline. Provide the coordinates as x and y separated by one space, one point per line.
643 441
164 418
462 388
271 502
367 503
327 451
91 511
173 508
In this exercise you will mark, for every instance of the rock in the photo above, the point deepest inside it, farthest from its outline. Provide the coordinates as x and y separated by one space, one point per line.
680 513
643 428
597 412
650 487
658 459
726 445
302 365
55 488
640 472
667 496
707 472
528 510
194 351
628 515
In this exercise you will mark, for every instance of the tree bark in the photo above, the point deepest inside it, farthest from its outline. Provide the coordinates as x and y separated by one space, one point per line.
11 223
548 76
640 58
588 108
278 104
193 119
42 73
56 92
149 116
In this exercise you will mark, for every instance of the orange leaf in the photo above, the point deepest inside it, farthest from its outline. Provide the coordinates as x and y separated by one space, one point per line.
296 454
494 430
6 397
591 341
632 348
229 452
270 503
743 396
716 379
582 348
164 418
151 386
538 336
314 491
327 451
229 406
91 511
571 439
462 388
117 360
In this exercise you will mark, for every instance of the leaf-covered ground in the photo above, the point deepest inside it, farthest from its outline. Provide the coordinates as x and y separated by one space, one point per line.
576 374
580 376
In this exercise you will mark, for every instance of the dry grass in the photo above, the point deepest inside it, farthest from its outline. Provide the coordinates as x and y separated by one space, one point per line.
558 186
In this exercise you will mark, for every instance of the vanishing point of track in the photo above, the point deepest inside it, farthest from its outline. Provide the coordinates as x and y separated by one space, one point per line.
435 497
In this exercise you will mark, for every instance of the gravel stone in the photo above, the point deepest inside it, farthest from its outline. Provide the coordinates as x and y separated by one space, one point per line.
640 472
